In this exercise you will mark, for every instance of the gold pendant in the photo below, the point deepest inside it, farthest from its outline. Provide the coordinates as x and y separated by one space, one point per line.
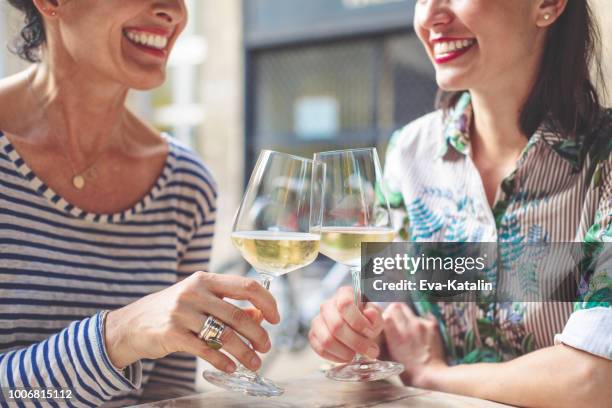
78 182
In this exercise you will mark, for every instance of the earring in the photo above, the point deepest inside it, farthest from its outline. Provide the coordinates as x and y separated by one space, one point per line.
546 16
53 13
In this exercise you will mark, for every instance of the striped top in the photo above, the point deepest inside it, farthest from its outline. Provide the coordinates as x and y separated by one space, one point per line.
560 191
61 268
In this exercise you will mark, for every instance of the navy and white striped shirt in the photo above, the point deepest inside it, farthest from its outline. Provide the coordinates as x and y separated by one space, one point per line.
61 268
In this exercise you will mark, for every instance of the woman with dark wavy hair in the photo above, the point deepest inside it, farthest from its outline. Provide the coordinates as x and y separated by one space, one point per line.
519 153
105 224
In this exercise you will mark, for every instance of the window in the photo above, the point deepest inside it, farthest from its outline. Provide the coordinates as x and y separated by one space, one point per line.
337 95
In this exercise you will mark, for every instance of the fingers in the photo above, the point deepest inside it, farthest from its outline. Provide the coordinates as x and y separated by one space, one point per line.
241 288
324 343
374 314
232 343
192 345
240 321
323 352
400 322
357 321
399 316
254 314
341 331
399 311
236 347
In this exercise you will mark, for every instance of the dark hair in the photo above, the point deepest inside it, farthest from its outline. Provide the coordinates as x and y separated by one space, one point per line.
564 96
32 34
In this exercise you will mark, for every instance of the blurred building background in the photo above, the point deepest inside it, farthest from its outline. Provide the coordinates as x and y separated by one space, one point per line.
291 75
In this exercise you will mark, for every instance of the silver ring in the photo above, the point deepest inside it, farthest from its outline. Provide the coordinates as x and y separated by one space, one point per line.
211 333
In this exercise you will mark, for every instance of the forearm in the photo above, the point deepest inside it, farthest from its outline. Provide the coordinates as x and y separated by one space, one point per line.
72 359
555 376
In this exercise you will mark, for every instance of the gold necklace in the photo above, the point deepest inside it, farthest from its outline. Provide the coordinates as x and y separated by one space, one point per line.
79 177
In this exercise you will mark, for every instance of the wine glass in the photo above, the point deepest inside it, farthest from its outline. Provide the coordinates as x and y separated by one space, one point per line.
354 209
271 231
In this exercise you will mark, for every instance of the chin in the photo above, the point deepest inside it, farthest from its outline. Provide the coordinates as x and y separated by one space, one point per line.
146 82
451 82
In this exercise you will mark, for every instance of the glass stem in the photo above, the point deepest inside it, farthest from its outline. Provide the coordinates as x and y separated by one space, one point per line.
265 282
356 279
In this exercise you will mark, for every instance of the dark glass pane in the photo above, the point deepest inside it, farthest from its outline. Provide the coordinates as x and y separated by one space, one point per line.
345 94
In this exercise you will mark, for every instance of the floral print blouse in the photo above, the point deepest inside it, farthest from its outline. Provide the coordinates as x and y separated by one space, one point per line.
560 191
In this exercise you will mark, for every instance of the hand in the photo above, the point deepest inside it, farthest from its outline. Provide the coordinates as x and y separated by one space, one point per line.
169 321
414 342
340 330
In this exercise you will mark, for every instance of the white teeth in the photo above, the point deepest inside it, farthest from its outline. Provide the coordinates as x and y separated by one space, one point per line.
450 46
150 40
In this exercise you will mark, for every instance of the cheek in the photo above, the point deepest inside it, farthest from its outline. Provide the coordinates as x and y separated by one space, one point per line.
88 40
419 30
423 36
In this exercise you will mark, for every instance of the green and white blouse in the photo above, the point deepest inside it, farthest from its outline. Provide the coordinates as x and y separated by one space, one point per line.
560 191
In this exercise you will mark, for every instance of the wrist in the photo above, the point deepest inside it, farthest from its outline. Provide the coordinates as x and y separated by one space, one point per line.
117 347
429 376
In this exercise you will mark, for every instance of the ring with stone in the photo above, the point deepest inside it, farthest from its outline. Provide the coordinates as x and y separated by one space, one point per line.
211 333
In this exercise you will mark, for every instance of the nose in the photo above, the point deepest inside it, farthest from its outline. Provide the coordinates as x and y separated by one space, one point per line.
431 14
170 11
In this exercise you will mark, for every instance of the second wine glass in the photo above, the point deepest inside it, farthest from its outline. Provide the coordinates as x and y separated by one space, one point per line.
354 209
271 231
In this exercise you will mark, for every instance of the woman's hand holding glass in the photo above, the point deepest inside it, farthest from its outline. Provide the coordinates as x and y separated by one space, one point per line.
272 233
169 321
341 331
353 210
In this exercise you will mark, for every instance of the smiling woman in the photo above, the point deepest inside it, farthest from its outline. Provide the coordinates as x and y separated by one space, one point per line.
519 152
106 224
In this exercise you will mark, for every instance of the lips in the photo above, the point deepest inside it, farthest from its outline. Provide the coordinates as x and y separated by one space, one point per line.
446 49
153 41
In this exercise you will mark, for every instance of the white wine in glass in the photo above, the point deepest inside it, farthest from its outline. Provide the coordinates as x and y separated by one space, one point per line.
271 231
343 244
353 210
277 253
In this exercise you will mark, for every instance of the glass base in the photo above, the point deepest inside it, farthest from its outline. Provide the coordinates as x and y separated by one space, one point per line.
247 382
365 370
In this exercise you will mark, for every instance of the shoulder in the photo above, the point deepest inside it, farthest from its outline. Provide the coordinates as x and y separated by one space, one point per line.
12 93
600 144
192 176
189 162
600 148
423 136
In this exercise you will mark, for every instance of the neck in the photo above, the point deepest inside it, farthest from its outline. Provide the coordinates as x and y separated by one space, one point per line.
496 132
79 113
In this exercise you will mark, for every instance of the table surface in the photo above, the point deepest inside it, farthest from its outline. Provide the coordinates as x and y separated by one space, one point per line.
323 393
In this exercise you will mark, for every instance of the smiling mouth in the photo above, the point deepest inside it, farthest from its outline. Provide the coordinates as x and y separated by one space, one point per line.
445 50
145 39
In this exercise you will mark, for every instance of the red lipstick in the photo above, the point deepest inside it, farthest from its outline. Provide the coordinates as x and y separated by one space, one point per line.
448 56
